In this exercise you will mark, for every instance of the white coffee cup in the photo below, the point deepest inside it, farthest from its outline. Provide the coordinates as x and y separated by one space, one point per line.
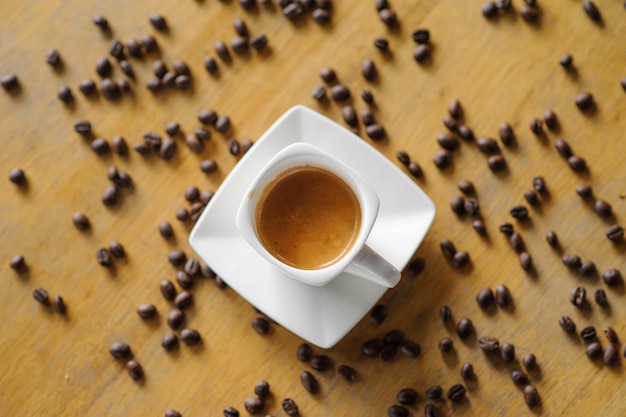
359 260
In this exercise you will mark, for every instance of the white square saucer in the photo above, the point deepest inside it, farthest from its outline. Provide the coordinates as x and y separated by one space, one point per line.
320 315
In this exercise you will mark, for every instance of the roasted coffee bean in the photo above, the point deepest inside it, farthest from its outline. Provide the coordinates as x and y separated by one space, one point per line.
584 101
192 267
507 352
168 290
530 361
421 53
576 163
442 159
421 36
83 127
489 9
100 21
202 133
262 389
116 49
572 261
368 69
467 371
381 43
239 45
416 266
349 115
175 319
455 109
347 372
173 413
222 51
588 333
309 382
472 207
456 393
615 233
165 229
120 350
506 229
321 362
403 157
578 296
259 42
434 392
208 166
397 411
117 250
563 148
9 82
446 345
246 144
195 211
445 313
18 263
154 140
184 280
612 277
158 21
59 305
485 297
465 133
519 378
134 48
110 196
222 124
304 352
367 96
488 344
388 17
410 348
531 396
110 90
487 145
147 311
381 4
567 324
464 328
103 66
449 121
407 396
65 94
496 163
41 295
172 128
328 75
388 352
448 248
182 82
526 261
182 214
149 43
531 197
181 68
611 335
81 222
457 204
119 145
602 208
460 259
503 296
587 268
536 126
234 147
593 350
231 412
375 131
183 300
378 314
415 169
600 297
552 239
319 93
519 212
566 61
466 187
507 137
134 369
592 11
206 271
289 407
529 14
610 355
430 411
53 57
261 325
254 405
368 117
479 227
190 337
177 257
339 93
210 64
293 10
539 184
104 257
447 141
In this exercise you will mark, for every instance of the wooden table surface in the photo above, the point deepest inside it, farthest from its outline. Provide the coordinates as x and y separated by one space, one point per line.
501 70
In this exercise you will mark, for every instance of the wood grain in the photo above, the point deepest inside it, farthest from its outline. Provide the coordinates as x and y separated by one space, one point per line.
501 70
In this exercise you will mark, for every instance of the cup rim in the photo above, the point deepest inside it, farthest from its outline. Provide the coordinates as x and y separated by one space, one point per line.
368 200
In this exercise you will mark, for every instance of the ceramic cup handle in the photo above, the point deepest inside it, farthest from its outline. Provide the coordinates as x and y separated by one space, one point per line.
370 265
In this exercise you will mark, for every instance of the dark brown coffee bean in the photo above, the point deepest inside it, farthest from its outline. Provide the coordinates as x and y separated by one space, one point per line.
567 324
182 82
466 187
103 66
134 369
572 261
368 69
83 127
184 280
449 121
195 211
496 163
503 296
489 9
550 119
120 350
206 271
416 266
611 335
208 166
147 311
615 233
587 268
349 115
507 352
529 14
464 328
531 396
434 392
485 297
388 17
81 222
536 126
445 313
531 197
231 412
447 141
339 93
421 36
578 296
465 133
190 337
592 11
290 407
122 85
588 333
41 295
519 212
467 371
259 42
309 382
530 361
319 93
381 43
175 319
519 378
403 157
182 214
576 163
456 393
116 49
421 53
457 204
379 314
183 300
526 261
472 207
506 229
100 21
100 146
407 396
149 43
210 64
539 184
321 16
262 389
388 352
202 133
431 411
222 124
600 297
239 45
566 61
367 96
516 242
17 176
119 145
375 132
53 57
110 196
222 51
507 137
261 325
168 290
254 405
612 277
410 348
304 352
234 147
172 128
158 21
584 101
602 208
59 305
104 257
442 159
328 75
246 144
446 345
117 249
488 344
65 94
9 82
487 145
134 48
173 413
460 259
293 10
165 229
321 363
552 239
347 372
593 350
448 248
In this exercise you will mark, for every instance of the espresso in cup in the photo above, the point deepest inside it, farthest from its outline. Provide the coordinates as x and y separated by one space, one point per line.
308 217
